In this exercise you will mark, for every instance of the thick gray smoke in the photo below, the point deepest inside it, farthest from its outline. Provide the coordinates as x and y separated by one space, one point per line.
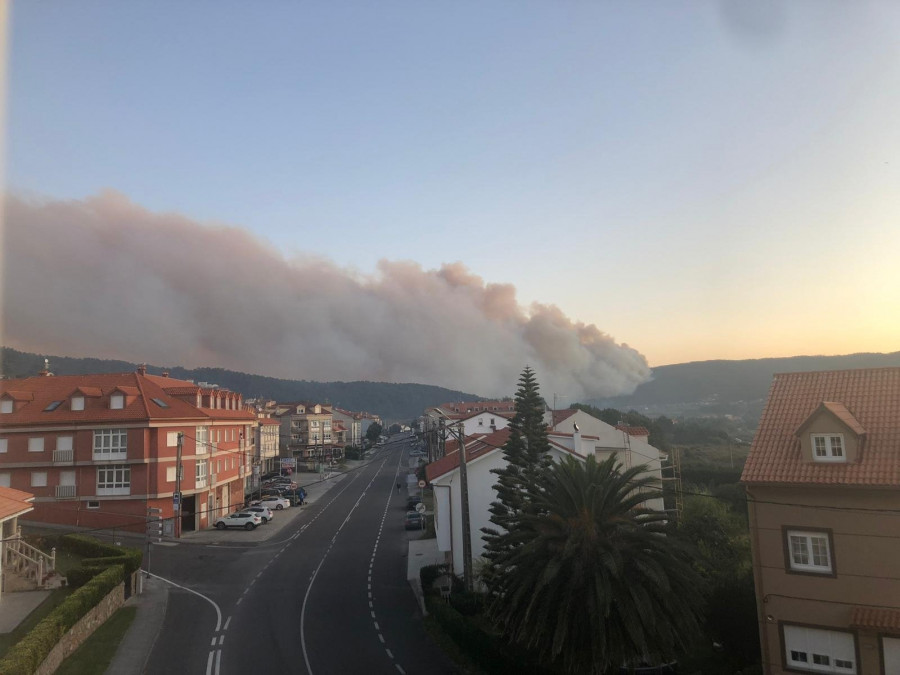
104 277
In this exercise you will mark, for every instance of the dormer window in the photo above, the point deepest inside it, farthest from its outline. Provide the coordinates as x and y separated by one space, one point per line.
828 447
6 405
117 401
78 403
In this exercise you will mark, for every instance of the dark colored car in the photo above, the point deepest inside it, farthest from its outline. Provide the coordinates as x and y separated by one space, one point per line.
414 521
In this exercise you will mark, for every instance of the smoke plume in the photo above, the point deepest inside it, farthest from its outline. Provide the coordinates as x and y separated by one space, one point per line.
104 277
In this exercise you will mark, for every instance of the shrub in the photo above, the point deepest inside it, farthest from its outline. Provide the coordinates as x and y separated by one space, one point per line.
488 651
75 578
27 654
428 574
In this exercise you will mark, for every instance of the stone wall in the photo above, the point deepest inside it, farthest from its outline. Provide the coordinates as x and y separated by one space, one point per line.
82 630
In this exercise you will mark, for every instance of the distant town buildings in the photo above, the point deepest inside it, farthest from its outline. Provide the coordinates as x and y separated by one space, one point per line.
97 451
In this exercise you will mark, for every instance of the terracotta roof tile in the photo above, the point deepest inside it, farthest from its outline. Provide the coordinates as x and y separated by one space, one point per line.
871 398
633 431
14 503
560 416
45 390
887 620
476 446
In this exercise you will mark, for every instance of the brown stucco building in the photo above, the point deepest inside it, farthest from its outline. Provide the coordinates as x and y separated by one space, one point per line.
823 486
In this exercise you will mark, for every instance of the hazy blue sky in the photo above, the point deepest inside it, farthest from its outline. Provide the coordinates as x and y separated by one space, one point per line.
698 179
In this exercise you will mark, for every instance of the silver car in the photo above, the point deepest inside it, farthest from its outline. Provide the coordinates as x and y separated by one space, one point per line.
264 512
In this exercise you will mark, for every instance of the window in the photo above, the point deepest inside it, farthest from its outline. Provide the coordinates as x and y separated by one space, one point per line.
114 479
172 439
6 405
160 402
809 551
36 444
53 405
817 650
93 505
202 440
3 445
200 472
67 478
110 443
480 422
38 479
5 479
117 401
63 442
828 447
170 474
78 403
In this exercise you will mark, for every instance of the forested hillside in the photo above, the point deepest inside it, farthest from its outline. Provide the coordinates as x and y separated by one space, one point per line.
391 401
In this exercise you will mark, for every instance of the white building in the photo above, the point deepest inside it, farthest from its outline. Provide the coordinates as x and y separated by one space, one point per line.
484 453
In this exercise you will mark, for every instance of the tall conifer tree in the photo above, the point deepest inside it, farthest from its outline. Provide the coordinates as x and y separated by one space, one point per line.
519 483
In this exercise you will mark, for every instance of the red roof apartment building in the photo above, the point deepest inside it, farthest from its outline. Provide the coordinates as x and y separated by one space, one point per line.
823 487
98 450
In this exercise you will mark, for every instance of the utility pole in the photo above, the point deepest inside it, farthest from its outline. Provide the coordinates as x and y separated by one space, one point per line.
177 500
464 504
154 529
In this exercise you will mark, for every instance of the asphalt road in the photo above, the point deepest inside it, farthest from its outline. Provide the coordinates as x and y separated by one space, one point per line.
327 594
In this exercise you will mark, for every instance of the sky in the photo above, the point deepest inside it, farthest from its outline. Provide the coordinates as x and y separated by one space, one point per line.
640 183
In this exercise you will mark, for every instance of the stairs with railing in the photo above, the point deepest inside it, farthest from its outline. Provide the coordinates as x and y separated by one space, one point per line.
26 567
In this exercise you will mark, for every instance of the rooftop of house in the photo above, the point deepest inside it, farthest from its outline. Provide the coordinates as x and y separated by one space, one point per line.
14 503
866 402
47 399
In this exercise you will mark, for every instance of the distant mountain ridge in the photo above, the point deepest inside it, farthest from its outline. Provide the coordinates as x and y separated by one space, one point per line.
688 389
735 387
393 402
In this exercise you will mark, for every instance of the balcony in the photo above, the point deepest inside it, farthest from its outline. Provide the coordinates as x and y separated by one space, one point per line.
63 455
65 491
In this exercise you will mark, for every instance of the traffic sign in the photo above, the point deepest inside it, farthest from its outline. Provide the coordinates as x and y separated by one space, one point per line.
421 483
288 461
176 499
420 507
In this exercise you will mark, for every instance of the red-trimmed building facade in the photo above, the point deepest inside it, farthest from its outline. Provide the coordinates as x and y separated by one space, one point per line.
98 450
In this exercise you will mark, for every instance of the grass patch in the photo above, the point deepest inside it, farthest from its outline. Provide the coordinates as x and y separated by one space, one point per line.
53 600
96 653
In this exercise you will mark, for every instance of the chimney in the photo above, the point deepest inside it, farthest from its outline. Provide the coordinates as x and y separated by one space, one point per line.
46 371
576 441
165 373
142 369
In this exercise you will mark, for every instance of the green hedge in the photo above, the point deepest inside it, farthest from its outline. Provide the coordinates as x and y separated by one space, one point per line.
26 655
488 651
88 547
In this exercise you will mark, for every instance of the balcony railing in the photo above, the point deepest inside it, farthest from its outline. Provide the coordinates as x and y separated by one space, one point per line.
213 477
63 455
65 491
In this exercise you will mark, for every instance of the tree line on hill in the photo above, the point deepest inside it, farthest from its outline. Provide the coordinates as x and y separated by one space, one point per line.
388 400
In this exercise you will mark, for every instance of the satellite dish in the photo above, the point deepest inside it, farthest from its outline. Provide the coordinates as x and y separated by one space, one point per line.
576 427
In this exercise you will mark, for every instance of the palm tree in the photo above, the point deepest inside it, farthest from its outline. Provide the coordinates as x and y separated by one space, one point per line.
599 581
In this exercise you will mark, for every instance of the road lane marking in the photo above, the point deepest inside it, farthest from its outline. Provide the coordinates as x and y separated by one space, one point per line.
381 637
390 654
191 590
227 622
209 663
218 660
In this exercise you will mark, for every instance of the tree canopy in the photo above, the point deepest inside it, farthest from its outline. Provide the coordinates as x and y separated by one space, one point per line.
596 580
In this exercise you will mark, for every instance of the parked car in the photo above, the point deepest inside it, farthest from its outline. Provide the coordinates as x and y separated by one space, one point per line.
414 520
244 519
273 502
264 512
411 503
